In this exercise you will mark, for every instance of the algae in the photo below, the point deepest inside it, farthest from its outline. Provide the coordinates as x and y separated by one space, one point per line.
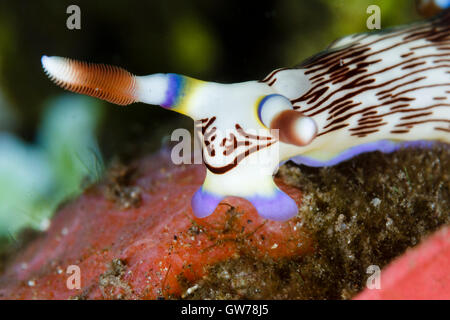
365 211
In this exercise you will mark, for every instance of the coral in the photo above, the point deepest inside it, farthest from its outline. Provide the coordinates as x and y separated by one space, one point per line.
134 235
421 273
146 250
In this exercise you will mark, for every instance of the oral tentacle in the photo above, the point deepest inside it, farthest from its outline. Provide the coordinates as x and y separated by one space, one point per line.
276 112
294 128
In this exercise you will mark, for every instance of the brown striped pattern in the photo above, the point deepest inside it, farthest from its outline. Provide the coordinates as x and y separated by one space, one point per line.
365 81
106 82
234 147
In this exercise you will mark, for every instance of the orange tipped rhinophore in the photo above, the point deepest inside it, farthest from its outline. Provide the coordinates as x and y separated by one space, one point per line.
109 83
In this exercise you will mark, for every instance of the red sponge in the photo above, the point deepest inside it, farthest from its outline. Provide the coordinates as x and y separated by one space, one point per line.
421 273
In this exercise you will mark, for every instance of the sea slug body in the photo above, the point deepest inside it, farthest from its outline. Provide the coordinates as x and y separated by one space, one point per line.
370 91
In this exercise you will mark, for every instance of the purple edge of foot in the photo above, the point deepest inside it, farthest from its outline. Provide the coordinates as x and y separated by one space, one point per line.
385 146
279 207
204 203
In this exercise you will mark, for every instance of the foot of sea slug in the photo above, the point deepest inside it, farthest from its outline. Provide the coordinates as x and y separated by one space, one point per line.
279 207
204 203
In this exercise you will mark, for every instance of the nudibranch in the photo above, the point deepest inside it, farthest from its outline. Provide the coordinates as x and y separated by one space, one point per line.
370 91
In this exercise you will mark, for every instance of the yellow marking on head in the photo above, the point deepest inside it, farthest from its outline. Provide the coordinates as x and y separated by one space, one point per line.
256 108
184 105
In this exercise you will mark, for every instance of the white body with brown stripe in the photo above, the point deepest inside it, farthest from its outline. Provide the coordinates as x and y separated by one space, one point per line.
367 92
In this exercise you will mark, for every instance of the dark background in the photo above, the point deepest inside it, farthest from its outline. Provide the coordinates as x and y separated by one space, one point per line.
224 41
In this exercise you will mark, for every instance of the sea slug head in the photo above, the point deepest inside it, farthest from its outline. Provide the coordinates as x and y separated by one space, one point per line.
240 126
